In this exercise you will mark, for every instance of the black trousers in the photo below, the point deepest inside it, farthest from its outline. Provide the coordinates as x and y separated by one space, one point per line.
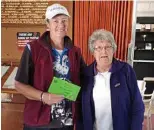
36 128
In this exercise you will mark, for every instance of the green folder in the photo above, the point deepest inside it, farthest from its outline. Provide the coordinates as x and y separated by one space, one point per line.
61 87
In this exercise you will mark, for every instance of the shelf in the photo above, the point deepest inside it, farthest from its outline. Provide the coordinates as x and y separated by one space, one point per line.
144 37
147 61
145 50
143 69
137 41
144 55
143 59
145 20
144 32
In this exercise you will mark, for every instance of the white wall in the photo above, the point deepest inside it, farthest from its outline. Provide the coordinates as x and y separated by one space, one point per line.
145 8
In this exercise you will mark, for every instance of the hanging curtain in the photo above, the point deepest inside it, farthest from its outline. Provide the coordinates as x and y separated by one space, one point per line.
114 16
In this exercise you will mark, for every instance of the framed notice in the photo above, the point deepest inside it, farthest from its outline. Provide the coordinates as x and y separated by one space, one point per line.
21 12
25 37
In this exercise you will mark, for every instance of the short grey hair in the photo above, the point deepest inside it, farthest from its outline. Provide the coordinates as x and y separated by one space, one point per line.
103 35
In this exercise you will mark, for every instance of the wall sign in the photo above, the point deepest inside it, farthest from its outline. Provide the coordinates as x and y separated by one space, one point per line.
19 12
24 37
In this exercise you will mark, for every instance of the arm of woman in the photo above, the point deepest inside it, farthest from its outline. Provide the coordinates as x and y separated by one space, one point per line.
137 112
24 81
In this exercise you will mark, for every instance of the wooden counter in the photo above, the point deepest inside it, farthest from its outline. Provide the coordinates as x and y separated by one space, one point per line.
12 103
12 106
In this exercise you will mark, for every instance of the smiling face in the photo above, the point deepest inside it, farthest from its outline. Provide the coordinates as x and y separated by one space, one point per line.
58 26
103 53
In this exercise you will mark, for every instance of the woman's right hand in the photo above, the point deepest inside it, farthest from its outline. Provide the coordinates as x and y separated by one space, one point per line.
50 99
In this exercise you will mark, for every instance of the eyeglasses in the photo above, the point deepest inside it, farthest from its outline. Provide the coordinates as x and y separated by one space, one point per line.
100 48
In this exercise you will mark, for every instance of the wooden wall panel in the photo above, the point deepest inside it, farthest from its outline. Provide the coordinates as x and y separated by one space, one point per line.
9 39
12 108
9 49
12 116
